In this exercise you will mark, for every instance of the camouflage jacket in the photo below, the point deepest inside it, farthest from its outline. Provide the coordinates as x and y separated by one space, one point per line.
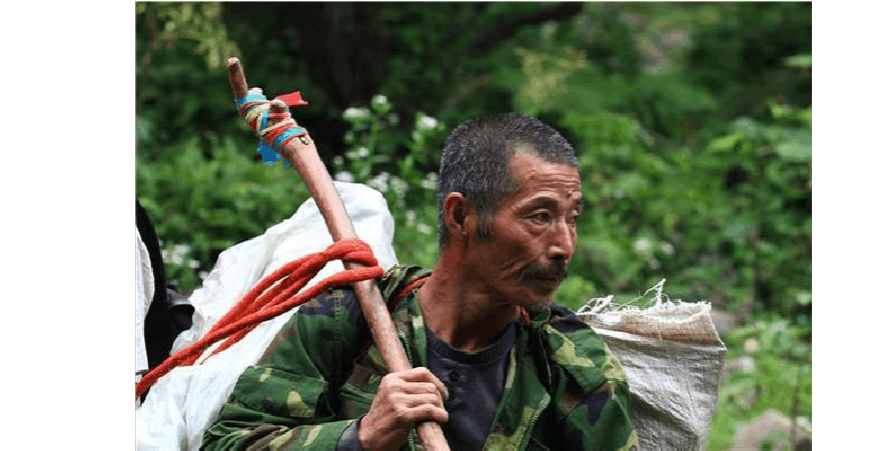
564 389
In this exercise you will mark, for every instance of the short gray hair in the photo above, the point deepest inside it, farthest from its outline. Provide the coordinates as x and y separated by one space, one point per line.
476 157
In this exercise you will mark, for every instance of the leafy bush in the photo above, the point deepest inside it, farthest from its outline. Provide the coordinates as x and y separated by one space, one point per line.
384 156
201 206
781 377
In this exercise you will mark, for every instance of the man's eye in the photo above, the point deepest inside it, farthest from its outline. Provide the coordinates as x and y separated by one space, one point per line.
573 219
540 218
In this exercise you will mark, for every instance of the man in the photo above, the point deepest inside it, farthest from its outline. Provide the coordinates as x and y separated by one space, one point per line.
495 364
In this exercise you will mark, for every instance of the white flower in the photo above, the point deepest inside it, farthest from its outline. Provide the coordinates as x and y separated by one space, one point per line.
362 152
168 256
203 275
344 176
194 264
399 185
666 248
427 122
380 182
424 228
175 254
352 113
430 182
642 245
410 216
393 118
751 345
379 99
339 160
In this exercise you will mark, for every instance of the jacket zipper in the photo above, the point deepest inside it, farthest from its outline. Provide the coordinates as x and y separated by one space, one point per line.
540 408
536 414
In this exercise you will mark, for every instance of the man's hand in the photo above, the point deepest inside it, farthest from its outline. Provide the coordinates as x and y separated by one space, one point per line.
403 399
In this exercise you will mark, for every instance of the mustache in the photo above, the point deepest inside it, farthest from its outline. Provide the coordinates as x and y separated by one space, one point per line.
556 270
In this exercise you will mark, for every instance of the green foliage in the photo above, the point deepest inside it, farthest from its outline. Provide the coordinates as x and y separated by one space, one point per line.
384 157
780 379
741 58
775 205
198 22
201 206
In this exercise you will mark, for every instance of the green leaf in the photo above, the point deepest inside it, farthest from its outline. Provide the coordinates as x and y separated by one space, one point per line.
804 298
725 143
747 127
800 61
795 150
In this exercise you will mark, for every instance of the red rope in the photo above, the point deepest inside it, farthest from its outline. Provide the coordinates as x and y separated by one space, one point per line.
412 286
271 297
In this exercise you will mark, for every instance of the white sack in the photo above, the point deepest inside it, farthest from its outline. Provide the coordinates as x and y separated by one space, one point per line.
673 359
182 404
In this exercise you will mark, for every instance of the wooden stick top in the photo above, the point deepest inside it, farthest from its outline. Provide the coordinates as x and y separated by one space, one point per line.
237 78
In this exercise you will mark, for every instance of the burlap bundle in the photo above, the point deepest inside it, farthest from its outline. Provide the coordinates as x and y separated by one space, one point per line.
673 358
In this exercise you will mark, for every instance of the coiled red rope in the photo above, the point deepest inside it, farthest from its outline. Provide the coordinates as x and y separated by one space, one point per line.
271 297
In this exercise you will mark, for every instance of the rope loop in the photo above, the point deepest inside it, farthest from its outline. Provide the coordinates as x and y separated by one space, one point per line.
272 296
255 108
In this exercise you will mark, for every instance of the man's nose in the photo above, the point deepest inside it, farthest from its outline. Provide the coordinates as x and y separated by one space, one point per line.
562 243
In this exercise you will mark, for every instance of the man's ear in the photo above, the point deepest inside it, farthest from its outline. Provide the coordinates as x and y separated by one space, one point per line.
459 215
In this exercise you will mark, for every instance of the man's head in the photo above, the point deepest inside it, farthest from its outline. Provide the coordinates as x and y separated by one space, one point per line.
509 188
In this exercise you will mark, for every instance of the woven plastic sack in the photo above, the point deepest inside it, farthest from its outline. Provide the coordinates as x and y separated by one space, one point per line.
183 403
673 358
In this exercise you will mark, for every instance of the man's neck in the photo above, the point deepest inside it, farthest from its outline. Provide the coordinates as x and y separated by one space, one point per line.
460 313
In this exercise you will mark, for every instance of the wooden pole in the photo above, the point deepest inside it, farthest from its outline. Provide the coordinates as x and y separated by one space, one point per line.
305 159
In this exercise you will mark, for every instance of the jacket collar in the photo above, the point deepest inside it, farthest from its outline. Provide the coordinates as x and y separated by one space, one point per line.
555 334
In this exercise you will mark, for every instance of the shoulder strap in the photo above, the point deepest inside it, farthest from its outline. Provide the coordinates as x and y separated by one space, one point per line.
399 280
395 285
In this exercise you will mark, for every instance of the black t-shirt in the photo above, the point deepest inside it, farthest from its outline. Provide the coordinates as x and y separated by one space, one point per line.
475 383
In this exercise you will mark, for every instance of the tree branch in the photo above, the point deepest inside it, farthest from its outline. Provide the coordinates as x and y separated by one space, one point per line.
502 31
155 41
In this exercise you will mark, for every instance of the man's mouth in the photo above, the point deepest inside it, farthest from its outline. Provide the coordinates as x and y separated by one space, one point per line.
550 274
549 279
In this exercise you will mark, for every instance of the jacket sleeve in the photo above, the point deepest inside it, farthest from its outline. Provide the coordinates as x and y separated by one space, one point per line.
601 420
593 402
286 401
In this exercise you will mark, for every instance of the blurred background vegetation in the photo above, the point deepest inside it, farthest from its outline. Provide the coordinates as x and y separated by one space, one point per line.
692 122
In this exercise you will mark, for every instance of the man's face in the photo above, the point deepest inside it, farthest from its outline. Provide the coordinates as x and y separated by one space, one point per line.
534 234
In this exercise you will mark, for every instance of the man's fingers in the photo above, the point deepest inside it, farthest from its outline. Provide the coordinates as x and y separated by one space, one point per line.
416 388
422 374
421 399
425 412
404 398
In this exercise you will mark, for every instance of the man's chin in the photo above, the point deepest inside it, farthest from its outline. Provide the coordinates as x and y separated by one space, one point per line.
537 298
543 289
